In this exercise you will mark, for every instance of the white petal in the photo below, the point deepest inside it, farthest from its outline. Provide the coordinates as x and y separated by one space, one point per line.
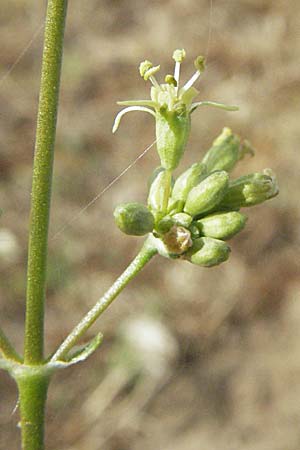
126 110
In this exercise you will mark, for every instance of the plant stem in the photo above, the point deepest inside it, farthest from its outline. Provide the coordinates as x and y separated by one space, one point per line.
42 180
32 397
142 258
7 349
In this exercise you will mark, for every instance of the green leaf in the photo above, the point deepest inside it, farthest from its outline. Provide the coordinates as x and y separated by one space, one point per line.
79 354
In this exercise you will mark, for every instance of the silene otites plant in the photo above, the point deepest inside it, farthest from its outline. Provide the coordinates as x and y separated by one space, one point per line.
189 218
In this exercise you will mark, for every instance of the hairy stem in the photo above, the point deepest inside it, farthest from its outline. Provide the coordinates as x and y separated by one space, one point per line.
143 257
42 180
32 397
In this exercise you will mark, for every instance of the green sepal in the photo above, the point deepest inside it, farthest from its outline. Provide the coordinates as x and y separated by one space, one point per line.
222 225
172 132
207 194
208 252
187 180
134 219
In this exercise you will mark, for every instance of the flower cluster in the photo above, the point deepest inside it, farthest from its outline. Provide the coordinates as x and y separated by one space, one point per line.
192 217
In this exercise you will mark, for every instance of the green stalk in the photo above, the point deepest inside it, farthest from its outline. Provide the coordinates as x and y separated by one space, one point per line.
142 258
42 180
32 397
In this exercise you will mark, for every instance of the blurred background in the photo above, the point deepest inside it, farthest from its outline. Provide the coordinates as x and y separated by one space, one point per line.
192 358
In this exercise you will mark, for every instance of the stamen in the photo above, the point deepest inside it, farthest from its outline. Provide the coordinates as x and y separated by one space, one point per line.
199 63
191 81
144 67
178 56
177 74
169 79
154 81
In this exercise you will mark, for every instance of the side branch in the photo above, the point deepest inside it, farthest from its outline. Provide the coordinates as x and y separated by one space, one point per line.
7 349
143 257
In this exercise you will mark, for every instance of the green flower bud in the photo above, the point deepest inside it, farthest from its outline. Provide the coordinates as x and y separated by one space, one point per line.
250 190
187 180
175 206
208 252
177 240
153 175
164 225
195 233
207 194
225 152
222 225
159 193
172 132
182 219
134 219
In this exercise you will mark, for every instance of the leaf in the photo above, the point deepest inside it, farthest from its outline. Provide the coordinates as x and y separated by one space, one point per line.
79 354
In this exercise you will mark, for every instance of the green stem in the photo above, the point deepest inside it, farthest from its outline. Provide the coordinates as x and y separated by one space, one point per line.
42 180
7 349
143 257
32 397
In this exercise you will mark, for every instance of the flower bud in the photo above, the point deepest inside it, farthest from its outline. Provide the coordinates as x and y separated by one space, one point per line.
250 190
195 233
172 132
225 152
134 219
153 175
165 224
187 180
159 193
175 206
208 252
207 194
222 225
182 219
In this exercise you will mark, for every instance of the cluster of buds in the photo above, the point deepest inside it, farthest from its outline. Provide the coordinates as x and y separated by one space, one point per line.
191 217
